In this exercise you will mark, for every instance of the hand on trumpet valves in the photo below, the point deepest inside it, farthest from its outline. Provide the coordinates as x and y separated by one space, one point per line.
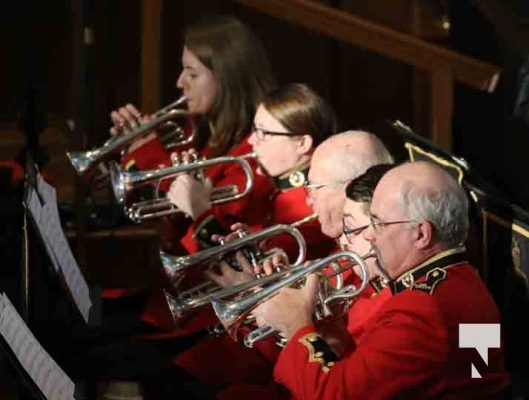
223 274
238 230
290 309
272 264
250 254
190 195
127 118
184 157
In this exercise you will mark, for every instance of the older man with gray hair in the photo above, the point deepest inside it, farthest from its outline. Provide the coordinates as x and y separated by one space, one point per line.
335 162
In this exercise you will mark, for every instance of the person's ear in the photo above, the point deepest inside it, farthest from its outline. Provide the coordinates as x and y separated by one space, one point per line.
424 234
305 144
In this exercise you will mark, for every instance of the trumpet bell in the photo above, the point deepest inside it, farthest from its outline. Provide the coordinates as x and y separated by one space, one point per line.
83 161
168 116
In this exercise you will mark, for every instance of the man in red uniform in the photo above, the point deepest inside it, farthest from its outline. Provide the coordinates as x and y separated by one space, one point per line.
410 347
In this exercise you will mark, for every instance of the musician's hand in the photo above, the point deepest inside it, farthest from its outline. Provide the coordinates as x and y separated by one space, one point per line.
271 265
225 275
190 195
290 310
236 230
126 119
188 156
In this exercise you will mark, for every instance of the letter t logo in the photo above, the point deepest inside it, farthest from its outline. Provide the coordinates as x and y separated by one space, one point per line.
480 337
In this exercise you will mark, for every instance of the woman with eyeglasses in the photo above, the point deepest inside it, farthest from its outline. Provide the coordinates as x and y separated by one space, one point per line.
288 124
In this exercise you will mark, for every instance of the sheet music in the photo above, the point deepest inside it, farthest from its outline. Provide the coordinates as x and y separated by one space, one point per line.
41 367
42 204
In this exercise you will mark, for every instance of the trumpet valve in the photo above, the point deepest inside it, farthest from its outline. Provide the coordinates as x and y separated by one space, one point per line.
175 158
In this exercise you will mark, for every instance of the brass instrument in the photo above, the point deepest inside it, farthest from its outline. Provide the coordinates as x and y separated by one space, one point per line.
233 313
202 294
123 182
164 120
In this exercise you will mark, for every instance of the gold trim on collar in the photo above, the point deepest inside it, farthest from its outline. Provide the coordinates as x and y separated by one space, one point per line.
443 254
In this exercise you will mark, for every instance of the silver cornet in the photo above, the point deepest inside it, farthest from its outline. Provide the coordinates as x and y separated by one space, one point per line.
202 295
233 313
123 182
165 120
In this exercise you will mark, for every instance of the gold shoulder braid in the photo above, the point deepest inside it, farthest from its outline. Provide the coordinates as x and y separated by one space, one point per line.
319 351
433 270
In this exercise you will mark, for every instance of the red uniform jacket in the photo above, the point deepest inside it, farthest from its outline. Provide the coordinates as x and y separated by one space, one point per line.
409 349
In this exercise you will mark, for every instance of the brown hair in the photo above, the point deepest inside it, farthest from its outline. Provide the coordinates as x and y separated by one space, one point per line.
238 60
301 110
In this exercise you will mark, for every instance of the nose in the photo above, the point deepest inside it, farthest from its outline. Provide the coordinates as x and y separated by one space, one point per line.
180 81
253 140
309 198
369 233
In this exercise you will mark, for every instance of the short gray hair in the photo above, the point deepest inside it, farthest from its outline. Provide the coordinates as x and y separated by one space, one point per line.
445 207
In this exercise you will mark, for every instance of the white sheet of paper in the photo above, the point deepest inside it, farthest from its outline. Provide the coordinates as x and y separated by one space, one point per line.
47 220
41 367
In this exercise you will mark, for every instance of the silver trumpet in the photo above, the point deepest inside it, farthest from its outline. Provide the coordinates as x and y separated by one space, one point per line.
175 265
164 120
123 182
202 294
233 313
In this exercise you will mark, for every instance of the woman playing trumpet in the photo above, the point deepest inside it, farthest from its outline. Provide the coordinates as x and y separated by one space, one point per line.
288 124
223 81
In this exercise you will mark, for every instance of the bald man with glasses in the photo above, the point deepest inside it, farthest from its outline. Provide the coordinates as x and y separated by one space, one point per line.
335 162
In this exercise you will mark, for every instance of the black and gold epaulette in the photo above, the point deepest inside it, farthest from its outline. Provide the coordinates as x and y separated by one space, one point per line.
433 272
378 284
209 226
319 351
292 180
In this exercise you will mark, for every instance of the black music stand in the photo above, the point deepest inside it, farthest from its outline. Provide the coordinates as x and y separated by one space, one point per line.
19 383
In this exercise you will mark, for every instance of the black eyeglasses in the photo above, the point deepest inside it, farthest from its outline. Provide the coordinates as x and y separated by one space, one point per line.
351 233
261 133
377 224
